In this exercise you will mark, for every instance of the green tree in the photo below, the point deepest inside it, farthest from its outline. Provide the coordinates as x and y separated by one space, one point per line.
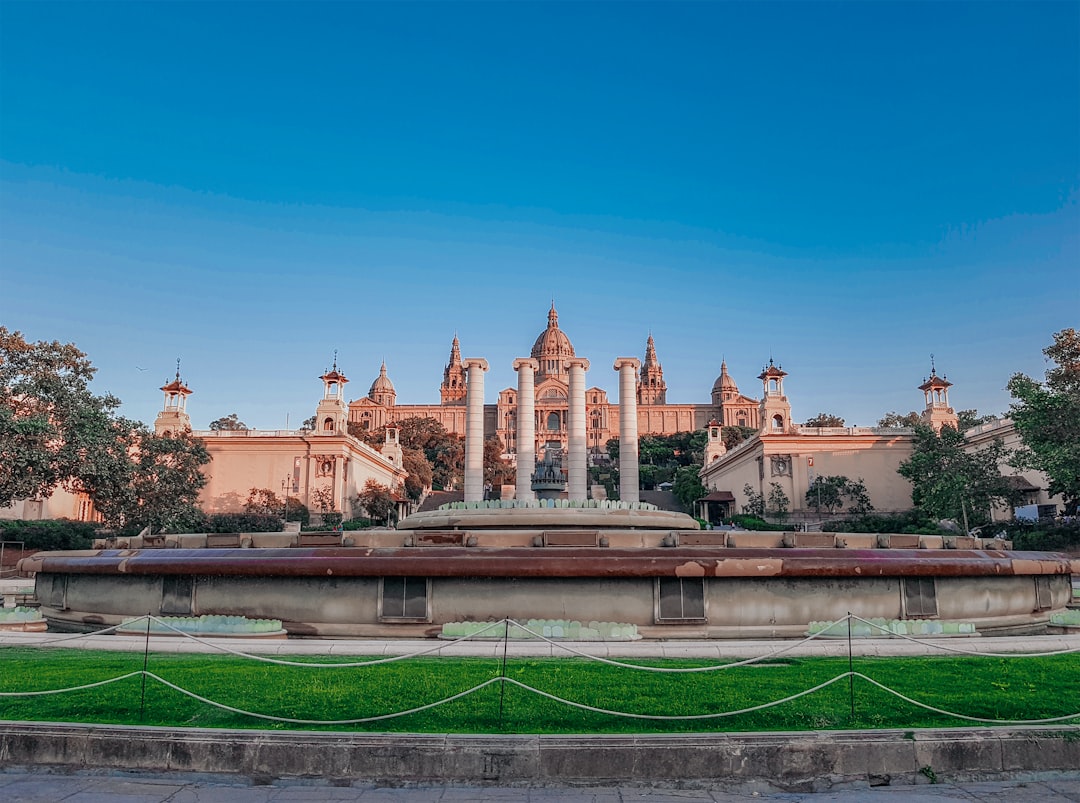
377 499
264 502
53 429
893 420
1047 418
149 480
831 493
825 420
950 480
688 488
755 502
733 436
308 424
414 462
228 423
966 419
776 505
496 469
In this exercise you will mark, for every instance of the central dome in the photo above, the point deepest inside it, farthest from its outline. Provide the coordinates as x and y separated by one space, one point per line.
552 347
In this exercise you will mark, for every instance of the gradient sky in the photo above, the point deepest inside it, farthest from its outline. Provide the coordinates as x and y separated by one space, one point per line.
845 187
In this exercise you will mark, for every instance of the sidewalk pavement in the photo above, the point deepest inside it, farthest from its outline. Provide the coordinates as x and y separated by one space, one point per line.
18 786
493 648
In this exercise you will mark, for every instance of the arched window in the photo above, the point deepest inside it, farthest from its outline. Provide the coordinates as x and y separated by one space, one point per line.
778 422
553 423
772 386
328 425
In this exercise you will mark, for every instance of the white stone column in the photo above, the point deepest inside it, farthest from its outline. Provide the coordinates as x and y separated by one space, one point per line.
628 436
577 475
526 427
474 429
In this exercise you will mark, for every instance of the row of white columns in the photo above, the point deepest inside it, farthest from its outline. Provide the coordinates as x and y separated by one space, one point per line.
577 473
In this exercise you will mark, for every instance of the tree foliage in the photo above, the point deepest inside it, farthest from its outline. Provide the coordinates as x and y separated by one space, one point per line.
163 487
777 502
950 480
420 474
496 469
230 422
830 494
1047 418
824 420
55 432
444 451
966 419
53 429
755 502
377 499
894 420
687 487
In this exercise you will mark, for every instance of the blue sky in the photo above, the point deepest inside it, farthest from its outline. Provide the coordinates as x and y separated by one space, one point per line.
845 187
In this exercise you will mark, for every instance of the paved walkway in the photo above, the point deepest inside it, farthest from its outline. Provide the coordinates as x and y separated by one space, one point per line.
710 649
40 787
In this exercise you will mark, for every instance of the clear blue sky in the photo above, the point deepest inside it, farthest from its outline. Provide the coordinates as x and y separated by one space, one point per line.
846 187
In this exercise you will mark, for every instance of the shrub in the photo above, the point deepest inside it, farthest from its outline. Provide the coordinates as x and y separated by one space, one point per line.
50 533
912 521
356 524
1043 536
748 522
245 523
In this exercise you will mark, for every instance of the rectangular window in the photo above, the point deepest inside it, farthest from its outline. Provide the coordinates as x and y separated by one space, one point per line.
51 590
680 599
404 599
176 594
1044 599
920 597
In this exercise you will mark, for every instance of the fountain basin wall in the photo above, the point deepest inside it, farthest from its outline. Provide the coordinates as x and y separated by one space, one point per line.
685 592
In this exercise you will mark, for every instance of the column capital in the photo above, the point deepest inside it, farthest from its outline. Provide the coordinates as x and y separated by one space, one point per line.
622 362
475 362
526 362
576 362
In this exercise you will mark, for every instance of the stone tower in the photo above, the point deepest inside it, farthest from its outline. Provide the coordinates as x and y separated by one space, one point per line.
651 387
173 418
452 390
332 415
938 413
774 411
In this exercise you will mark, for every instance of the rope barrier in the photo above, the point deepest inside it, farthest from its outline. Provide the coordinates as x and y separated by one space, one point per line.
562 645
938 644
906 699
322 665
292 721
84 687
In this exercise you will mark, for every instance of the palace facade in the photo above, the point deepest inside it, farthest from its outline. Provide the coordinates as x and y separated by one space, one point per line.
551 350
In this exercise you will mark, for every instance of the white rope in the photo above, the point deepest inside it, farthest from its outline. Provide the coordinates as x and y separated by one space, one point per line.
71 688
906 699
294 721
671 670
74 636
322 665
716 715
941 645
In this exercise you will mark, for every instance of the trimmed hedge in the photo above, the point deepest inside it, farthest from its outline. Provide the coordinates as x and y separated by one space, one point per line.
49 534
913 522
1044 536
245 523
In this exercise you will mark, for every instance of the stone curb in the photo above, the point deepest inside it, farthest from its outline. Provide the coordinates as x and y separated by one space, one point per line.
794 762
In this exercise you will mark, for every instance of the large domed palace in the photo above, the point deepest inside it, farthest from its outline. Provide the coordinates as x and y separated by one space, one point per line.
551 350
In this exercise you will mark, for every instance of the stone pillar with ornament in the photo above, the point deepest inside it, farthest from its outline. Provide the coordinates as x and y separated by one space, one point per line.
577 473
628 429
526 427
474 429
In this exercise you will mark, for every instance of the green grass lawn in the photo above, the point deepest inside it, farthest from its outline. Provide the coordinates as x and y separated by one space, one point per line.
1017 688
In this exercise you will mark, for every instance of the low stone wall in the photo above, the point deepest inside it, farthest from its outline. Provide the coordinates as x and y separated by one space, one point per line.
793 762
